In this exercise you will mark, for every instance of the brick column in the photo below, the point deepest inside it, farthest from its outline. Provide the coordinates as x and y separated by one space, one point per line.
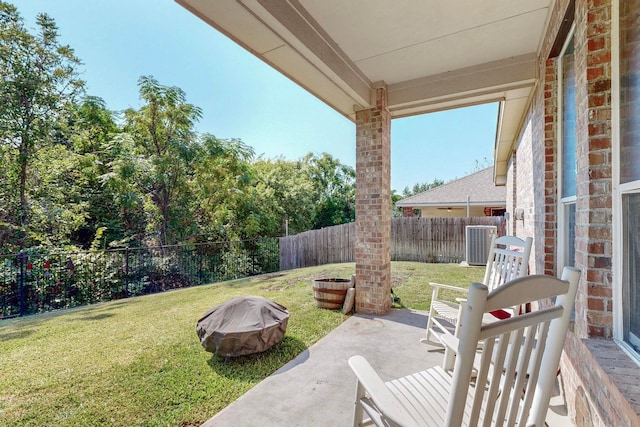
373 207
594 311
551 165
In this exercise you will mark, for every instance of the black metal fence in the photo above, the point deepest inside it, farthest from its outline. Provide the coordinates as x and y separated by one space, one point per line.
36 282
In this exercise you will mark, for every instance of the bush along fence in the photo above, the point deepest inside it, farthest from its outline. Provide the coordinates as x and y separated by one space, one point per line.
412 239
36 282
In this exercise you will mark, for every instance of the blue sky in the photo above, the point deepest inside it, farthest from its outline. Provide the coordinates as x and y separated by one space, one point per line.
242 97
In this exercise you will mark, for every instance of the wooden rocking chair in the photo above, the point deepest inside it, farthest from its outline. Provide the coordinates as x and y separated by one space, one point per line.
508 259
514 371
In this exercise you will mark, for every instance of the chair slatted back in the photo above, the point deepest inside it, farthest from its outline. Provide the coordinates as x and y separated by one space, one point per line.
520 355
508 259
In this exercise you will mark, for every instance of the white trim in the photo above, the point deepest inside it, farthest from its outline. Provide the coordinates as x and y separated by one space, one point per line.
627 187
618 191
633 355
634 340
616 203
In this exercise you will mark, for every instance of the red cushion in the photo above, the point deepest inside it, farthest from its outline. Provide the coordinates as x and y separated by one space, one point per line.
500 314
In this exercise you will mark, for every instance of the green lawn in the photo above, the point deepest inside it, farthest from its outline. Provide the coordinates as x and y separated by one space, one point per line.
139 361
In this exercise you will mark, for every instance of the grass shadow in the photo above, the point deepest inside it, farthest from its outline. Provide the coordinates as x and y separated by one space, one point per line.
96 316
16 334
256 367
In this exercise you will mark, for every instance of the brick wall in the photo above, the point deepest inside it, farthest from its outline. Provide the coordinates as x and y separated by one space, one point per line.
525 184
373 207
550 202
600 383
600 380
511 194
593 206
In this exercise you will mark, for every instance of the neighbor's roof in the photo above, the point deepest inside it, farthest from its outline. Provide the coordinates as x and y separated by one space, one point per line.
478 187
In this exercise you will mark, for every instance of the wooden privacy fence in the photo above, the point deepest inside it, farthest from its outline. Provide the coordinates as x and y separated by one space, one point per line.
412 239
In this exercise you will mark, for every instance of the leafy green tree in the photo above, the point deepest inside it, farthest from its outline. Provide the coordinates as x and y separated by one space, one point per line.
38 81
421 187
285 195
395 197
92 126
166 142
68 202
58 203
417 188
123 173
334 189
91 132
70 174
221 184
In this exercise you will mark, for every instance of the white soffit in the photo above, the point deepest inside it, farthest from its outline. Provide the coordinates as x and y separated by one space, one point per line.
430 54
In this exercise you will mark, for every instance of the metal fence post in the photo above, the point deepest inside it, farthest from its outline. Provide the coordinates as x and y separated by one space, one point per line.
200 259
20 280
126 273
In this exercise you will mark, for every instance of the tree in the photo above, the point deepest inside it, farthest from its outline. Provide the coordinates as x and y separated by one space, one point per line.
165 139
395 198
421 187
120 180
38 81
222 182
91 134
285 195
69 174
334 189
68 203
481 164
417 188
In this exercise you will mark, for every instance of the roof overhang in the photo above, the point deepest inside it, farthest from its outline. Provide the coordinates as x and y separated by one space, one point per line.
452 204
429 55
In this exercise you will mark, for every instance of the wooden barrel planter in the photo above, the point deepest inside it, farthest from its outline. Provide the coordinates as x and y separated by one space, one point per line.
330 293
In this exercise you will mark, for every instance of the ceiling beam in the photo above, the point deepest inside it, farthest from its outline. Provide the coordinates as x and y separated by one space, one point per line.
487 82
301 32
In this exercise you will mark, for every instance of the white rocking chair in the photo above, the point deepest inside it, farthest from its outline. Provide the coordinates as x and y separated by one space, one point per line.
508 259
514 372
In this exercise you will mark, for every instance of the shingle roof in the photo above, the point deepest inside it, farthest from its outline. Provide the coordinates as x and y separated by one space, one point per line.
478 186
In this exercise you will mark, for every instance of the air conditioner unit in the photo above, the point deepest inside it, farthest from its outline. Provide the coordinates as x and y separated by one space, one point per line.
479 243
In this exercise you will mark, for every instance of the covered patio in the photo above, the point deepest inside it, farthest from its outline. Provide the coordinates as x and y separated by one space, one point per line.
564 73
373 61
317 388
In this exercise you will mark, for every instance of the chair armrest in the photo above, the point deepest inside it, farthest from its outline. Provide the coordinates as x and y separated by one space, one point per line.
449 287
450 342
378 392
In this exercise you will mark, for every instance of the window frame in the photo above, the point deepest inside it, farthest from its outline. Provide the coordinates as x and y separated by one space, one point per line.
619 190
564 203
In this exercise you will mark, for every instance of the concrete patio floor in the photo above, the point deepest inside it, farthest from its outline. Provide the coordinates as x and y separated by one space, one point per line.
317 387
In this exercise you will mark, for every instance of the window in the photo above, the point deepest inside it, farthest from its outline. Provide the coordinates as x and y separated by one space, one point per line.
567 154
631 272
627 171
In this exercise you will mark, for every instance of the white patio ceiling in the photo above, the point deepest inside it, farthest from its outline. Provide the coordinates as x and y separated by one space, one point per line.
430 54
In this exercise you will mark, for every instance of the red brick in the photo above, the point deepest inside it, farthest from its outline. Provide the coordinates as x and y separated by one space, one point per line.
597 100
598 143
596 304
596 43
599 291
